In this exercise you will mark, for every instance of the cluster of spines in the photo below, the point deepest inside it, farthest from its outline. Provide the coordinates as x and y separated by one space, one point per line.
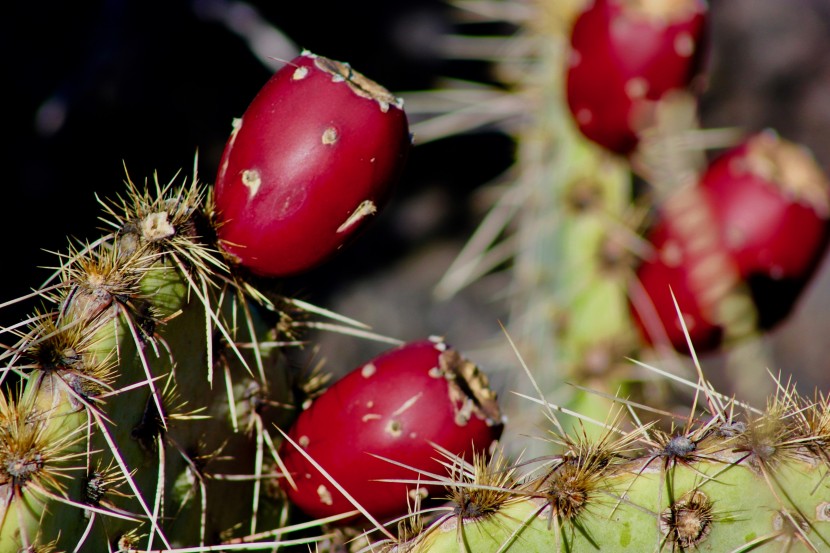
115 370
729 478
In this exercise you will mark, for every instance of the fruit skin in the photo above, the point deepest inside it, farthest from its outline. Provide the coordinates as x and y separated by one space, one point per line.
757 219
771 202
396 406
624 59
672 271
314 156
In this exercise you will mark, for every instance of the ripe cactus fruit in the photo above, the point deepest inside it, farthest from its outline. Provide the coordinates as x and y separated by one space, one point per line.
626 55
689 263
314 156
772 202
398 406
138 404
757 221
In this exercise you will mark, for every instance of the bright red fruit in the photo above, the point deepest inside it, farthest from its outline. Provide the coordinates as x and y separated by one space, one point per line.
771 200
758 219
626 55
689 261
397 406
312 159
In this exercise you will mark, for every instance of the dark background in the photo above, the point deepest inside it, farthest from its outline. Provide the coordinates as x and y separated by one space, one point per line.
92 86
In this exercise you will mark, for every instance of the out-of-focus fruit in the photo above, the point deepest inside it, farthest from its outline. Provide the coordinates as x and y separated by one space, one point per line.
688 261
758 219
771 202
625 56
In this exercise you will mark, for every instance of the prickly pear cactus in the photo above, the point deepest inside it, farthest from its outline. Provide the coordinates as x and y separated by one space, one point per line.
610 212
147 404
727 478
146 365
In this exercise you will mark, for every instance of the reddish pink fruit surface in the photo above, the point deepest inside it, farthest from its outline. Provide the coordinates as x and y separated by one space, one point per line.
760 221
771 201
689 261
395 406
312 159
626 55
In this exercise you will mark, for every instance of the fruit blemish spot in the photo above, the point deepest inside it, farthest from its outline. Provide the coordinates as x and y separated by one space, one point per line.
252 180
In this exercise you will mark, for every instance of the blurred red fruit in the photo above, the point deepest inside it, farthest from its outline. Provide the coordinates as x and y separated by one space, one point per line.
690 262
626 55
396 406
771 200
313 158
757 219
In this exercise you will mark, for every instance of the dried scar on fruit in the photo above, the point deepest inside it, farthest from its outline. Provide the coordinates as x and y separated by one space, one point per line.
469 389
366 207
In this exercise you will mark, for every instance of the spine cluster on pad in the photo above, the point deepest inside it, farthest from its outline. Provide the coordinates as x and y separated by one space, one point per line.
727 478
141 356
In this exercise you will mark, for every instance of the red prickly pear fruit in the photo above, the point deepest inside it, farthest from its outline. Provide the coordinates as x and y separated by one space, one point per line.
690 263
758 218
398 406
625 56
314 156
771 200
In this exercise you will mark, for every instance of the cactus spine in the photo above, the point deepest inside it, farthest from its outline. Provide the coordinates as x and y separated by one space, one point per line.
574 227
724 482
148 363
